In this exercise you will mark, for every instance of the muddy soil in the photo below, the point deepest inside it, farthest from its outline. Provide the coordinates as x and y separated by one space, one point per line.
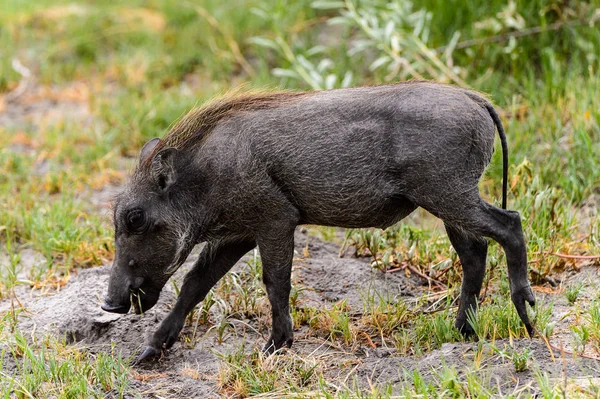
191 369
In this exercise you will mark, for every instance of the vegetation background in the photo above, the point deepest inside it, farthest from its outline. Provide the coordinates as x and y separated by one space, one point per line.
83 85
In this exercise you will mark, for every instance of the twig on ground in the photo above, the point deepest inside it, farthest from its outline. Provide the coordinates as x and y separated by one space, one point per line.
439 309
418 273
566 256
24 83
369 340
552 348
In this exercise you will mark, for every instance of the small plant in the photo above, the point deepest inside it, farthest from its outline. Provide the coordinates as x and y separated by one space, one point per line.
581 336
521 360
341 326
204 311
572 292
384 315
431 331
498 319
593 322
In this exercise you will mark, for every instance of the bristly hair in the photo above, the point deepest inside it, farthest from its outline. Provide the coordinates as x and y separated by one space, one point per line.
194 127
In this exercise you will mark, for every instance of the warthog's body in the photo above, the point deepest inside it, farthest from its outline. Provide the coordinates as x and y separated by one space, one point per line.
246 170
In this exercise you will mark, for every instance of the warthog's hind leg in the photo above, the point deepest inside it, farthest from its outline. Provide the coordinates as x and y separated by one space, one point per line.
472 251
478 218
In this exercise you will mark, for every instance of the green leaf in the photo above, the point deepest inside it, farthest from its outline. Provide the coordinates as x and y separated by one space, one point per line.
379 62
330 81
263 42
284 73
347 81
327 5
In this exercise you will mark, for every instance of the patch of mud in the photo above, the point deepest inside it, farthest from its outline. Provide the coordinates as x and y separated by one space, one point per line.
330 279
191 368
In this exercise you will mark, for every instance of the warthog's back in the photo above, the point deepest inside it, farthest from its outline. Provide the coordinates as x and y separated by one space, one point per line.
343 153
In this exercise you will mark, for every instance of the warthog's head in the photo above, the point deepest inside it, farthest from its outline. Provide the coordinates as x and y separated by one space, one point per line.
154 232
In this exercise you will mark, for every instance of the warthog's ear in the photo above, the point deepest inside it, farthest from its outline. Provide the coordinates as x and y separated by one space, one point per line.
163 168
148 148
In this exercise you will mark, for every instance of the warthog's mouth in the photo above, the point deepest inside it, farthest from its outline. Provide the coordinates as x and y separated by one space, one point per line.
142 301
136 302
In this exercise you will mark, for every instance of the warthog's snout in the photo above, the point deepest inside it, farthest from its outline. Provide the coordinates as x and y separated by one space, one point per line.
106 306
141 299
125 291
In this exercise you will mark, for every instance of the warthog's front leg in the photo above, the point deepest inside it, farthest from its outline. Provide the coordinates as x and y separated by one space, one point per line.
212 264
277 251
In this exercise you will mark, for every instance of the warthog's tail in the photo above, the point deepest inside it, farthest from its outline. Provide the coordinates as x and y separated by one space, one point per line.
502 135
483 102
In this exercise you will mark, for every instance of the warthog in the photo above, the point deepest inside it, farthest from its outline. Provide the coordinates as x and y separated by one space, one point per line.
246 169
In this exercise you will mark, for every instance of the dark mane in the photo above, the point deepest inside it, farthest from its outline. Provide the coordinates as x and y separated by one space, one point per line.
194 127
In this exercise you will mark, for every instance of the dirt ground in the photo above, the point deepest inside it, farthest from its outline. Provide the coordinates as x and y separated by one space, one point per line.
74 312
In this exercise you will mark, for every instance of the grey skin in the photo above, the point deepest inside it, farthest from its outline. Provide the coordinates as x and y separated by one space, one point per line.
361 157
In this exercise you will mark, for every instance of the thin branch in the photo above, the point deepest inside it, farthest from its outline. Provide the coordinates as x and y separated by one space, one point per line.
566 256
419 273
516 34
550 347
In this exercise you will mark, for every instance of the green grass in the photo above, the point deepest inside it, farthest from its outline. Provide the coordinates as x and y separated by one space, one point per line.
138 66
48 368
247 373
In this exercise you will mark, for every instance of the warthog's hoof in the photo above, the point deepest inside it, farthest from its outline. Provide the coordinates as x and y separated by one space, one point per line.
465 328
149 353
273 345
520 299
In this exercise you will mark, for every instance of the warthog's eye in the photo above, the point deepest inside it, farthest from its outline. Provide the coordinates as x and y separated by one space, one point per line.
136 221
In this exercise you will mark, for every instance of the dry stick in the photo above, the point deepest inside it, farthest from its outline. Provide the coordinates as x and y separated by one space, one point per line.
438 310
553 347
369 340
566 256
516 34
419 273
416 271
564 359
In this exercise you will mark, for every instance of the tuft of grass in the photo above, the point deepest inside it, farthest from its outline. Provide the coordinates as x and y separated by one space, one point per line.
50 369
572 292
384 316
519 359
249 374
